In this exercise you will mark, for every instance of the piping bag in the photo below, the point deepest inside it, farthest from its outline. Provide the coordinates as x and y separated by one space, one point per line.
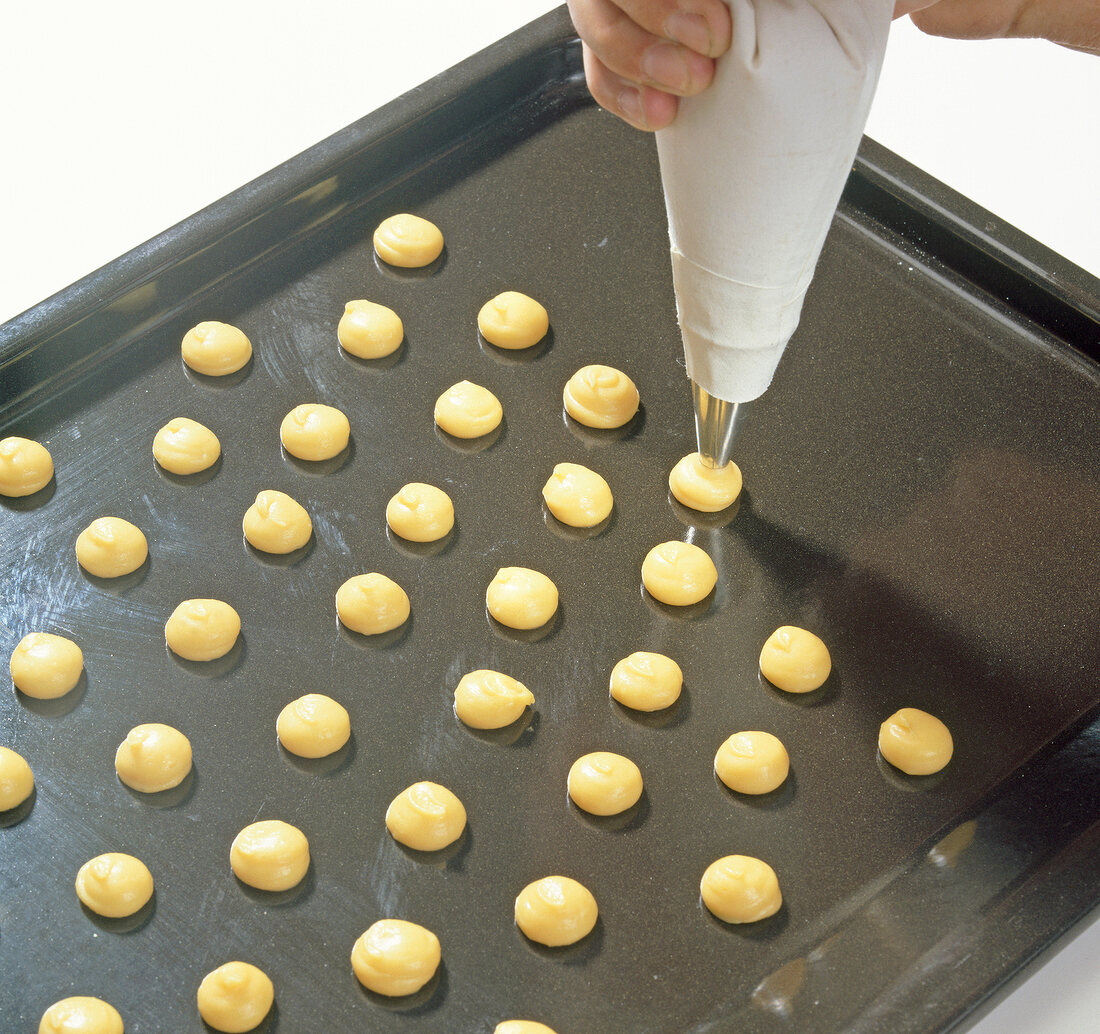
752 170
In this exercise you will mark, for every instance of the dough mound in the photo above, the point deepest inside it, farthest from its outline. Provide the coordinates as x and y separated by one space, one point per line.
513 320
915 741
114 885
111 547
153 758
46 666
467 410
600 397
794 660
420 513
394 957
313 726
486 699
408 241
704 488
521 598
270 855
314 432
25 467
16 779
678 573
184 446
752 762
577 496
372 603
275 523
426 817
216 349
740 889
235 997
556 911
646 681
603 783
81 1015
369 330
202 630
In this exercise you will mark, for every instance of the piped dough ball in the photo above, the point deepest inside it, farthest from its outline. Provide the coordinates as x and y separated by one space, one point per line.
556 911
741 889
794 660
153 758
522 1027
512 320
216 349
646 681
46 666
235 997
270 855
420 513
111 547
314 432
369 330
275 523
577 496
202 630
81 1014
600 397
394 957
486 699
408 241
703 488
16 779
915 741
467 410
114 885
371 604
521 598
185 446
426 817
752 762
678 573
603 783
25 467
313 726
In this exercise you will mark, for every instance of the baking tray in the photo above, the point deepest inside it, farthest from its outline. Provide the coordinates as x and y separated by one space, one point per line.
921 489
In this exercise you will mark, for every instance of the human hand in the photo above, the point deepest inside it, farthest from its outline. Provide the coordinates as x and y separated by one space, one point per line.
1072 23
641 56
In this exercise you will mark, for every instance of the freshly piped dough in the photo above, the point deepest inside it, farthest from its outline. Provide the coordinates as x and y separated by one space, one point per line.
467 410
202 630
372 603
522 1027
741 889
556 911
81 1014
184 446
678 573
314 432
408 241
275 523
369 330
25 467
114 885
521 598
420 513
600 397
426 817
313 726
46 666
752 762
603 783
235 997
577 496
795 660
216 349
111 547
915 741
513 320
270 855
16 779
646 681
394 957
153 757
486 699
704 488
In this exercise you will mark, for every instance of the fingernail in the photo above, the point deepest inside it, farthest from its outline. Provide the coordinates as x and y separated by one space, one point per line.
630 104
692 30
664 65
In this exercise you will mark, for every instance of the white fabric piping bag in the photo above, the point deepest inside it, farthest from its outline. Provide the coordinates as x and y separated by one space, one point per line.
753 169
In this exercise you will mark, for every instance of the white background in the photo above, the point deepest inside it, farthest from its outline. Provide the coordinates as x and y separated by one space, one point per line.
120 118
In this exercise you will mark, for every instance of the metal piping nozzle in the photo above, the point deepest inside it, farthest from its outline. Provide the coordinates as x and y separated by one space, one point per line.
716 425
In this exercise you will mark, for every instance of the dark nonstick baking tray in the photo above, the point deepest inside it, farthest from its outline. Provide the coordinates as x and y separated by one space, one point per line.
922 484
